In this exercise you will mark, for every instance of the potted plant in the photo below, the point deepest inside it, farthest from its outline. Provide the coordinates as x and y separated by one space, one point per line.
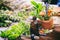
47 22
45 19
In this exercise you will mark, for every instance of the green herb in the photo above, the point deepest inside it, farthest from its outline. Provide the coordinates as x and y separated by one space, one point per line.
38 7
6 20
16 30
46 17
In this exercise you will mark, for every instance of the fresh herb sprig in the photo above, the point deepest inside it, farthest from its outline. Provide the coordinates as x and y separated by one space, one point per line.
15 31
38 7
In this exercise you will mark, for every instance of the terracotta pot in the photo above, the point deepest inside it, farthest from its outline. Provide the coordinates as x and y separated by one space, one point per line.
47 24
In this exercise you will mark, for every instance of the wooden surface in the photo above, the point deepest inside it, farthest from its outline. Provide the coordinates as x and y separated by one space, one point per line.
57 28
55 35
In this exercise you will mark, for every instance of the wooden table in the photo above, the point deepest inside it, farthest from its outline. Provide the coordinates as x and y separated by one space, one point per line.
55 35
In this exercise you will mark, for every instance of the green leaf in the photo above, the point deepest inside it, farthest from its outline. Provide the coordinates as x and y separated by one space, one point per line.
38 8
34 3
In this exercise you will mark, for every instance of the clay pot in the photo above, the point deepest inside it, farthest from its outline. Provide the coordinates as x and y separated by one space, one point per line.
47 24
